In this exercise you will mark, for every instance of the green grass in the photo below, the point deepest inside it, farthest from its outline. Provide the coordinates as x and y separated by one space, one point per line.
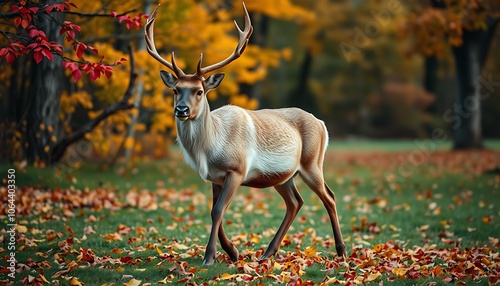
438 201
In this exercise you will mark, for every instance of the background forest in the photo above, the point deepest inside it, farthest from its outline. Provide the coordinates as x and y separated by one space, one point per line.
95 191
368 68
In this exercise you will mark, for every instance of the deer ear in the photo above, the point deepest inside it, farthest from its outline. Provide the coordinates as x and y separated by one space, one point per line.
169 79
214 80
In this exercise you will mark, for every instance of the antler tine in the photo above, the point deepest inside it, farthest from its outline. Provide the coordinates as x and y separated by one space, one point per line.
199 72
150 44
242 44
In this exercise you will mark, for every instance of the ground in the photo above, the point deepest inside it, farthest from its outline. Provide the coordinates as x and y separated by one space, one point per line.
411 213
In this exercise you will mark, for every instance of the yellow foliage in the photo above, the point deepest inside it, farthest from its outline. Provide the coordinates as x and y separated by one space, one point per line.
129 143
69 102
243 101
188 28
280 9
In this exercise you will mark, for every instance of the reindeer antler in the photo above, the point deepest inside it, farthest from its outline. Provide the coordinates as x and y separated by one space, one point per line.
244 35
150 44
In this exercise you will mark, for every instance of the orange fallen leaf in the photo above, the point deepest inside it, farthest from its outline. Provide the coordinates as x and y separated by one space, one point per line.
74 282
227 276
399 271
133 282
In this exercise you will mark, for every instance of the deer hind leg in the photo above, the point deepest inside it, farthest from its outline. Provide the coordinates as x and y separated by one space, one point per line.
293 202
226 244
314 179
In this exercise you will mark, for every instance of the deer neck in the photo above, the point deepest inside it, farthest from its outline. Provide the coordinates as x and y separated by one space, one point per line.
197 137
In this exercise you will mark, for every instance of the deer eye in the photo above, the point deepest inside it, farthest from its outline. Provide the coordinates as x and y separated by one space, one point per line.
200 92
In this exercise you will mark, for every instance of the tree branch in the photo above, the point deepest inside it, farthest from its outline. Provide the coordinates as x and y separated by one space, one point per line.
60 147
82 14
10 15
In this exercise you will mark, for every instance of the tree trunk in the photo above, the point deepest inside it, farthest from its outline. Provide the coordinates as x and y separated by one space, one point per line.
261 24
45 90
469 60
431 80
141 46
300 95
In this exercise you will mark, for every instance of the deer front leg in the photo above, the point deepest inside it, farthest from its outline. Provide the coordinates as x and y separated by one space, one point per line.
226 244
231 184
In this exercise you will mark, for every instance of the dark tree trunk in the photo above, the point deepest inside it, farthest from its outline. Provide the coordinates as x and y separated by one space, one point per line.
258 38
469 60
45 89
300 95
430 80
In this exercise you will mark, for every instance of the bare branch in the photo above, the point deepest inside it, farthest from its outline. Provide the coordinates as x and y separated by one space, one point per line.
61 146
10 15
98 14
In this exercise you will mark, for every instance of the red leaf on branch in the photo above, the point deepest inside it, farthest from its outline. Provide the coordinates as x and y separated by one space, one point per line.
17 22
70 3
10 58
47 54
38 57
75 70
24 23
123 18
94 50
77 74
119 62
79 48
57 47
94 75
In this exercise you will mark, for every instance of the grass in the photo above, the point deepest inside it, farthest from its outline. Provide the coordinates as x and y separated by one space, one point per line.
446 199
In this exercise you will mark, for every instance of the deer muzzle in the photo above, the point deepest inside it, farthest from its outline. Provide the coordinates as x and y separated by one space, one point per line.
181 112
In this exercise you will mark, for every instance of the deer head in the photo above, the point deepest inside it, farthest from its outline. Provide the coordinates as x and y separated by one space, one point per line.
190 90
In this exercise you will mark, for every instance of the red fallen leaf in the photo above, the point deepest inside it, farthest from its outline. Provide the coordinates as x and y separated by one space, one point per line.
127 259
86 255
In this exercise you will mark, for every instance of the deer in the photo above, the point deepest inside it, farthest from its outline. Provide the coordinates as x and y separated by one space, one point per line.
232 147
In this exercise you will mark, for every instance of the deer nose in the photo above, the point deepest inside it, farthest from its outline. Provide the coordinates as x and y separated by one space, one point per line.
181 111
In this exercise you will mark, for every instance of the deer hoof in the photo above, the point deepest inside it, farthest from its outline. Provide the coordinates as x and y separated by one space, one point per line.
208 262
234 255
265 256
341 251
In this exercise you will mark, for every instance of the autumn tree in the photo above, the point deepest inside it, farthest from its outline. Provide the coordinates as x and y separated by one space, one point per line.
86 51
33 36
468 27
347 60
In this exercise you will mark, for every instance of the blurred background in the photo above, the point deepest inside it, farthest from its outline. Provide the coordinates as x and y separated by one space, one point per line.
371 69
